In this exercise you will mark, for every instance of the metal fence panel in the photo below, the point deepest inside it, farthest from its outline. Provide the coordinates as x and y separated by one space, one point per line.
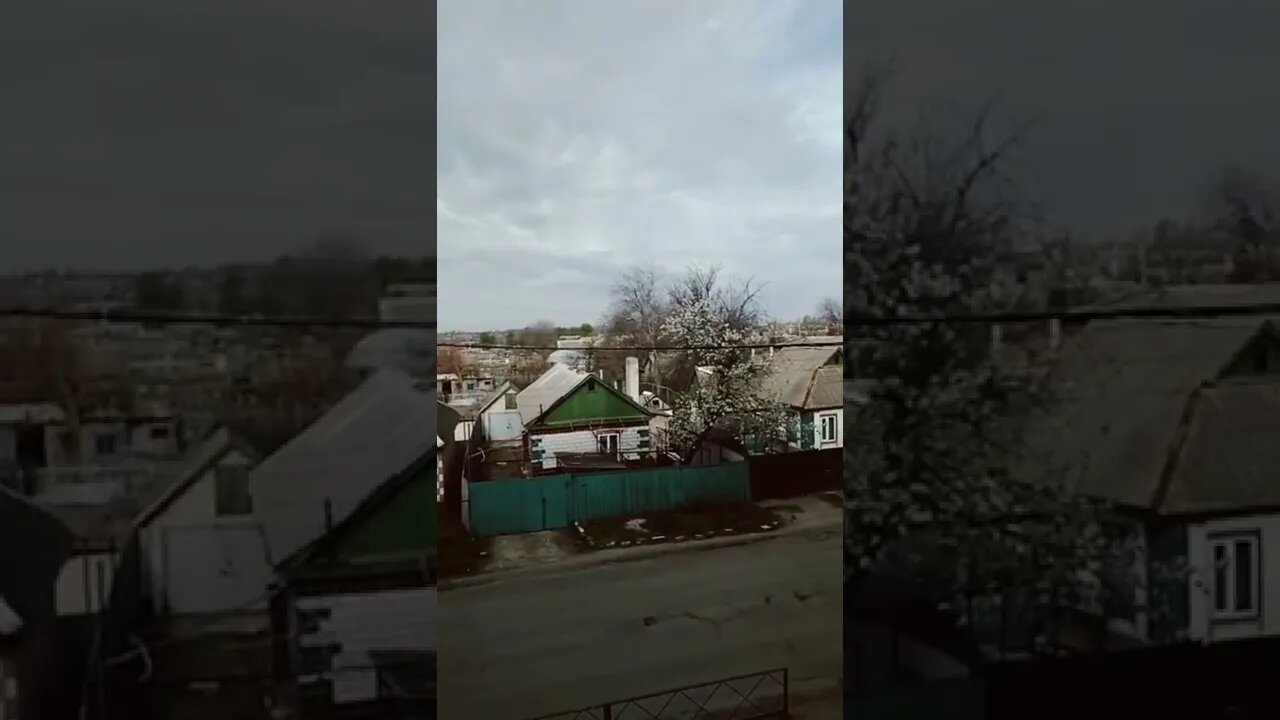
502 507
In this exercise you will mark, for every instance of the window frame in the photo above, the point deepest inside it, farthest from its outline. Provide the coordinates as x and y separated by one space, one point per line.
107 440
835 427
602 446
1229 541
220 472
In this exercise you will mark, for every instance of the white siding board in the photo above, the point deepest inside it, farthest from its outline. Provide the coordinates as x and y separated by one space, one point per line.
580 441
364 622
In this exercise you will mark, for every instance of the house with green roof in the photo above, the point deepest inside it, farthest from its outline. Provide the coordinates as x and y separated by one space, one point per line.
576 419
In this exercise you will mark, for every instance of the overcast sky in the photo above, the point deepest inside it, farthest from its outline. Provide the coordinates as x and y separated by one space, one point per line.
139 133
577 139
1142 101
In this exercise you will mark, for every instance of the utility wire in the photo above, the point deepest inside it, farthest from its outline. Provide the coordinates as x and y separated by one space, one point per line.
636 348
1069 316
1073 316
155 318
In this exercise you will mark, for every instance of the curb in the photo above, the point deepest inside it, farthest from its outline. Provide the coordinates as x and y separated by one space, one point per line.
663 540
637 552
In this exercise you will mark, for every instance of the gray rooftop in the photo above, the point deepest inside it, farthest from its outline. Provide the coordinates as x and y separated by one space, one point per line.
1122 389
1228 457
407 350
800 378
549 388
1182 296
378 431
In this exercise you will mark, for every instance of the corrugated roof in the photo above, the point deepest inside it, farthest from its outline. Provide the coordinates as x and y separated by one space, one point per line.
375 433
1229 454
1181 296
827 390
1123 387
796 375
549 388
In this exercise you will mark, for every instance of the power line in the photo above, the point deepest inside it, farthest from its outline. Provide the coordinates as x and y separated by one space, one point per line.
223 319
636 348
1189 312
155 318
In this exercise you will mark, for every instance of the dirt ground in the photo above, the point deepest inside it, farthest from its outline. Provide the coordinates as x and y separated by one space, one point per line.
459 553
696 522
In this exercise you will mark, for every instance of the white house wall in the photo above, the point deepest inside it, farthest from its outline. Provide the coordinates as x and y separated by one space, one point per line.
1200 588
77 590
585 441
364 622
128 442
194 509
500 424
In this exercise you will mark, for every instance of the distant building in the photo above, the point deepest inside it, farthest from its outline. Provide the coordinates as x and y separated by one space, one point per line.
408 303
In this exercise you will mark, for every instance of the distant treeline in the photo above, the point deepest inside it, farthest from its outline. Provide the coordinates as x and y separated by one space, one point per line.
328 282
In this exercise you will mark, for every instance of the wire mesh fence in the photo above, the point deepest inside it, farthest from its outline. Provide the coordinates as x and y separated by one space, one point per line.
756 696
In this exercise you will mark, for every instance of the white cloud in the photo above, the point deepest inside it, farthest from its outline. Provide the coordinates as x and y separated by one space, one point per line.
577 139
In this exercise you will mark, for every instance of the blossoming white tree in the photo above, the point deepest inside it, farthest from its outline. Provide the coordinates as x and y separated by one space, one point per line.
727 389
929 475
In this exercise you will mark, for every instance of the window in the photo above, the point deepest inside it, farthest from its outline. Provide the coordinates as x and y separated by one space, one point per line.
511 401
232 491
1235 576
608 443
159 432
828 428
106 444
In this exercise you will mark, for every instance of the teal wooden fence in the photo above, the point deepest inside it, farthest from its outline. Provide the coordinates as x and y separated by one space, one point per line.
503 507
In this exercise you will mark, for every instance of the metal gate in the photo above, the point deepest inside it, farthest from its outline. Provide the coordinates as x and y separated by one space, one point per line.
214 569
758 696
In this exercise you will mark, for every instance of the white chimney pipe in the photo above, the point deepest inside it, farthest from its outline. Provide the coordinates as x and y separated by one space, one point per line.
633 378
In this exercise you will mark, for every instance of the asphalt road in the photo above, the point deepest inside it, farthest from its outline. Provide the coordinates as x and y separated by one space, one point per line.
539 644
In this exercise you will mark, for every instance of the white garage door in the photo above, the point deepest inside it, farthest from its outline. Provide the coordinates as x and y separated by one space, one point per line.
215 569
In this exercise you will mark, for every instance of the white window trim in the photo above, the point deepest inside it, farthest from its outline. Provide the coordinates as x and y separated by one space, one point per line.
835 427
603 447
1228 541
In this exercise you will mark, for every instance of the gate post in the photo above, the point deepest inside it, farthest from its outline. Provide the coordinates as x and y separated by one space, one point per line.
608 712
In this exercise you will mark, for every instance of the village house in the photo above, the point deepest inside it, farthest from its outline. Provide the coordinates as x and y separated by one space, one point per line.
1173 422
349 529
576 419
201 543
809 381
42 454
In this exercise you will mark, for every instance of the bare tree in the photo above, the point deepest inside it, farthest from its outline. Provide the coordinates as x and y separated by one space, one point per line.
57 368
637 311
526 368
450 360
